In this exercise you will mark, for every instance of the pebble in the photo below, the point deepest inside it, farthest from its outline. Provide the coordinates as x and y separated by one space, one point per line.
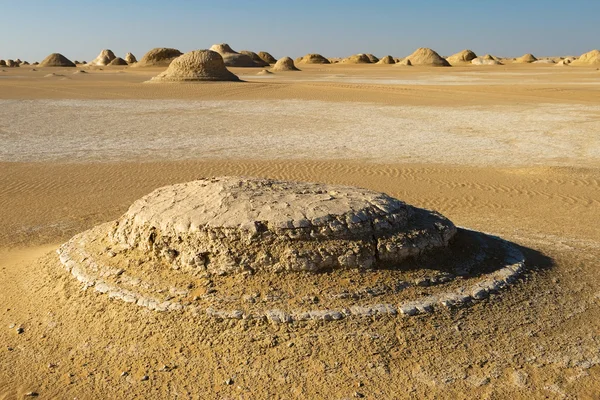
359 395
32 394
145 378
20 330
124 374
229 381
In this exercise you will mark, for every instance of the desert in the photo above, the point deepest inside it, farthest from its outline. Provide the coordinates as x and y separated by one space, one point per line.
205 223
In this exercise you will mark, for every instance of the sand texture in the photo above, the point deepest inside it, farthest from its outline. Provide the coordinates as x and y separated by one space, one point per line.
508 310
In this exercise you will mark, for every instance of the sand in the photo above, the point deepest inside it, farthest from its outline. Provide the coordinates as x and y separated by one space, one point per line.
511 150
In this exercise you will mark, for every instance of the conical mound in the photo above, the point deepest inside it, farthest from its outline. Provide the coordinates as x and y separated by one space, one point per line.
312 59
197 66
525 59
589 58
387 60
158 57
285 64
462 57
427 57
357 59
266 57
118 61
2 63
404 62
249 234
233 58
56 60
264 72
104 58
490 57
12 64
258 62
372 58
130 58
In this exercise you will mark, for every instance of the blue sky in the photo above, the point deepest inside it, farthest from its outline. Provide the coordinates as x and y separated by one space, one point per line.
31 29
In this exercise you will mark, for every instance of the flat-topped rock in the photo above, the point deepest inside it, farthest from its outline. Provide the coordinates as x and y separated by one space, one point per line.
233 224
248 248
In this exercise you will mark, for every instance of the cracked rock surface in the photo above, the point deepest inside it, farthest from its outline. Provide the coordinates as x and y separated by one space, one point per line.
232 224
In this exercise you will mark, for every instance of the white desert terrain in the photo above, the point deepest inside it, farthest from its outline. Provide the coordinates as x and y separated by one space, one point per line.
511 150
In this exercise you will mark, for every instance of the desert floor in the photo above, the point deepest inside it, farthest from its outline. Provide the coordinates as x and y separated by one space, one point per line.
511 150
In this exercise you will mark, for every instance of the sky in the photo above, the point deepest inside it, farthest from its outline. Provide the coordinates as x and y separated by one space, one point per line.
32 29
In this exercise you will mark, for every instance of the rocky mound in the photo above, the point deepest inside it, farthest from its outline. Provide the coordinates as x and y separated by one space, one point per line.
258 61
264 72
266 57
233 224
2 63
405 62
285 64
12 64
158 57
260 246
197 66
387 60
485 61
312 59
525 59
372 58
465 56
233 58
357 59
130 58
589 58
427 57
104 58
118 61
56 60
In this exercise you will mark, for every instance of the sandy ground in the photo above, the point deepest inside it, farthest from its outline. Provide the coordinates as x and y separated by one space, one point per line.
508 150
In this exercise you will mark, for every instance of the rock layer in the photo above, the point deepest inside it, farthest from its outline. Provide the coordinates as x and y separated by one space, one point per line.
235 224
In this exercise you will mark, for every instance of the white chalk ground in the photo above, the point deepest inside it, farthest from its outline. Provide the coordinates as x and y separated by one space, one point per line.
107 130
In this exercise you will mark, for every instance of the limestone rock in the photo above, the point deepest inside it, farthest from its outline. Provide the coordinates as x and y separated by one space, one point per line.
312 58
227 224
285 64
197 65
56 60
266 57
158 57
233 58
